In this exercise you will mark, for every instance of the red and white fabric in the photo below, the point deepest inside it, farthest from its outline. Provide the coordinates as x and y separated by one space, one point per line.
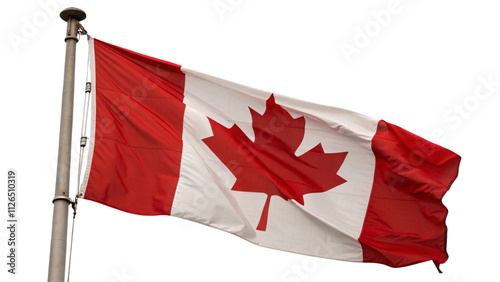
276 171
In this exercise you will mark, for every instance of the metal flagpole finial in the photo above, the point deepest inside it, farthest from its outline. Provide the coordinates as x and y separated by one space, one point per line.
72 12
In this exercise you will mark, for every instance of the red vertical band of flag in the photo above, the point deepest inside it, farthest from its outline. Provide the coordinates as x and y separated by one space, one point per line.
405 220
138 134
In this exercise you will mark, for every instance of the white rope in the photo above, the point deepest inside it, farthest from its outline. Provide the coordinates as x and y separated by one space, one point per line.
87 98
74 204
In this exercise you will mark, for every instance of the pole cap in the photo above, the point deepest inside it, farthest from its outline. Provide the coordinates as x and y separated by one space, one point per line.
72 12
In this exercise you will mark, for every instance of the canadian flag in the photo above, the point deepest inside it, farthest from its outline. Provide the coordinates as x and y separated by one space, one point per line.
276 171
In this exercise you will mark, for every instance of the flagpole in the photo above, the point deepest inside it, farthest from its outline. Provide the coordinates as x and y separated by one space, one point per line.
57 260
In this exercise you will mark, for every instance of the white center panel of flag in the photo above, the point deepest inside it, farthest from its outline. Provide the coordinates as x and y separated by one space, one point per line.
328 224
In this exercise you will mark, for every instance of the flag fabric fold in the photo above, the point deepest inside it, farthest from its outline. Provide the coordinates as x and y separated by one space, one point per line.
276 171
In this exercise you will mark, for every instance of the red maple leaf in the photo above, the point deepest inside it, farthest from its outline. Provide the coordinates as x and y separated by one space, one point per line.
269 165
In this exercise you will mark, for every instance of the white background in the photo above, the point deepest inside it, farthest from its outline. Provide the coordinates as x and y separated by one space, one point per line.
417 64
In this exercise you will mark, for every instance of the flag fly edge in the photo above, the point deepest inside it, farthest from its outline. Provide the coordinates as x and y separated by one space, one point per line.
412 175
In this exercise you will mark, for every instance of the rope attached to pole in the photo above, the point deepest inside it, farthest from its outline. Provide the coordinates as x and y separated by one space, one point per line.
83 144
73 205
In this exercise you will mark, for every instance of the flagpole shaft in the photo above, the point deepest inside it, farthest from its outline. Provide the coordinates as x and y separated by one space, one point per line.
57 259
